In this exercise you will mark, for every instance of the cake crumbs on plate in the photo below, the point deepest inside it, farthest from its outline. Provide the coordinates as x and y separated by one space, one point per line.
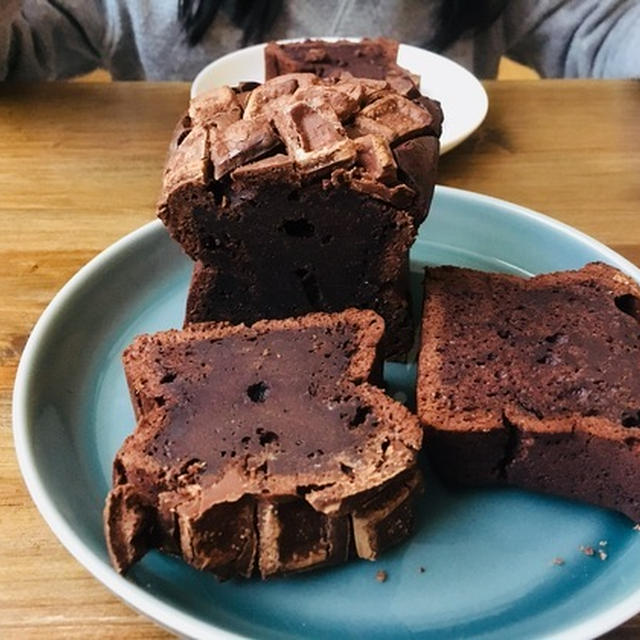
422 569
381 576
400 396
588 551
603 543
558 561
602 555
636 527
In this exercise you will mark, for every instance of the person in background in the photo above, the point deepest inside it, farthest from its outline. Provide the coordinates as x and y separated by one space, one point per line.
174 39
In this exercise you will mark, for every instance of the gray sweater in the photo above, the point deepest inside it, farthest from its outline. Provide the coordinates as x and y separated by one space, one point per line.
142 39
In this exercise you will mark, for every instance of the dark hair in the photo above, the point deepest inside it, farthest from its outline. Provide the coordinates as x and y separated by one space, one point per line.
254 17
461 17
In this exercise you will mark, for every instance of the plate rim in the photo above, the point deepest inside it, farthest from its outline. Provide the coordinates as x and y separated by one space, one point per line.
482 96
168 615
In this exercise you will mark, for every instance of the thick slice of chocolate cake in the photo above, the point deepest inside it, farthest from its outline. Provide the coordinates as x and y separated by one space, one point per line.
367 58
302 195
534 383
262 449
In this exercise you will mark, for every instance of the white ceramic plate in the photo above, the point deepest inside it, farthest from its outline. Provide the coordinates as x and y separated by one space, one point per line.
488 553
464 100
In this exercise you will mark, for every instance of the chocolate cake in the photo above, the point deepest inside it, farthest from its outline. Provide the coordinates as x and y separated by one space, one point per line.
262 449
367 58
303 194
534 383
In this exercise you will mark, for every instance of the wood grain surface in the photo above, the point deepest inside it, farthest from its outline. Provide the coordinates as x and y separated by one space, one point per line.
80 166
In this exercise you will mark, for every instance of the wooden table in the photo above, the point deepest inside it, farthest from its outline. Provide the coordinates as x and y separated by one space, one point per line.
80 166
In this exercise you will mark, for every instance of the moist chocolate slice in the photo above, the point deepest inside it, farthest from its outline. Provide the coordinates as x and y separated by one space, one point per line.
262 448
305 195
534 383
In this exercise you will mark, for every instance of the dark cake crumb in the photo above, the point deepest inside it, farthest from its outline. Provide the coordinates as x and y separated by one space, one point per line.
589 551
422 569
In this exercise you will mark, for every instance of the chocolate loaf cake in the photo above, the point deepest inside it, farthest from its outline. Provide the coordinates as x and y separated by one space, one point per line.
262 449
367 58
534 383
303 194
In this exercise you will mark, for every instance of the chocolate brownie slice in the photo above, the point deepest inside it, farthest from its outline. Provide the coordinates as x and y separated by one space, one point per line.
262 448
534 383
367 58
302 195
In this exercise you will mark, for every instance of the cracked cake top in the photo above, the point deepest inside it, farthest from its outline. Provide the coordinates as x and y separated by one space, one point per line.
299 127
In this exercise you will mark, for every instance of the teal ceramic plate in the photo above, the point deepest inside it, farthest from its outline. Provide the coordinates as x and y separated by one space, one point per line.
487 555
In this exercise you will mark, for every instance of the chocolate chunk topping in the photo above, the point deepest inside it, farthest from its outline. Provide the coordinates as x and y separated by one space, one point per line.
343 103
393 117
294 537
387 517
372 89
417 159
305 128
262 96
307 113
375 157
191 162
433 107
314 137
376 173
272 169
405 84
219 536
128 526
399 195
240 143
218 108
